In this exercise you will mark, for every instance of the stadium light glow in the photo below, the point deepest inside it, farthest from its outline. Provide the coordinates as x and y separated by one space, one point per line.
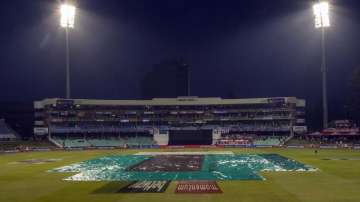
321 13
67 12
67 21
322 20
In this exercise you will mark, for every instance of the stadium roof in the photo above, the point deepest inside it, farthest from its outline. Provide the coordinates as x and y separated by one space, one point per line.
175 101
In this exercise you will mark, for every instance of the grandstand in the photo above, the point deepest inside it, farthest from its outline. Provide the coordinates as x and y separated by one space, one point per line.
6 133
341 133
76 123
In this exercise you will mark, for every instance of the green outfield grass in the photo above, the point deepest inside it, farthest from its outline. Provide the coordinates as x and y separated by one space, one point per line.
337 180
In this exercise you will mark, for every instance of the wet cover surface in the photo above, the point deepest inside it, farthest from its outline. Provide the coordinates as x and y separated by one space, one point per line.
181 167
169 163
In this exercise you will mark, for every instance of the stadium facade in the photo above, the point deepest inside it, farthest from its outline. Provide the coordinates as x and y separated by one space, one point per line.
168 121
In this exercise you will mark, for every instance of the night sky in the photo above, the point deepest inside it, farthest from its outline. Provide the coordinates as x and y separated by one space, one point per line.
246 48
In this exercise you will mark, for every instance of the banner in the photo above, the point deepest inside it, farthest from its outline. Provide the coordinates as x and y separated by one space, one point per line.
296 146
328 147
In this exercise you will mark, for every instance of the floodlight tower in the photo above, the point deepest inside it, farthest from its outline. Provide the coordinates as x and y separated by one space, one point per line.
67 21
322 21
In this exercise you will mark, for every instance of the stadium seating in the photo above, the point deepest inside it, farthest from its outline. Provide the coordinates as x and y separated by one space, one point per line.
325 140
269 141
76 143
104 142
84 128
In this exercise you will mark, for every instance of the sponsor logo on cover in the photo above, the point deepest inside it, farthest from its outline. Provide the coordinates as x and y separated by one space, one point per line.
197 187
146 187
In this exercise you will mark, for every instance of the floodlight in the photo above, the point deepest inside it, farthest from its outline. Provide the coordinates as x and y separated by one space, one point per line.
321 13
67 19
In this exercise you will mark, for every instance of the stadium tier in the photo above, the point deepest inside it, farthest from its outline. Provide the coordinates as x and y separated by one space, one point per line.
169 121
341 133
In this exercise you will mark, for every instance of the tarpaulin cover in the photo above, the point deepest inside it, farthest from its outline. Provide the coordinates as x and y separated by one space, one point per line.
175 167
